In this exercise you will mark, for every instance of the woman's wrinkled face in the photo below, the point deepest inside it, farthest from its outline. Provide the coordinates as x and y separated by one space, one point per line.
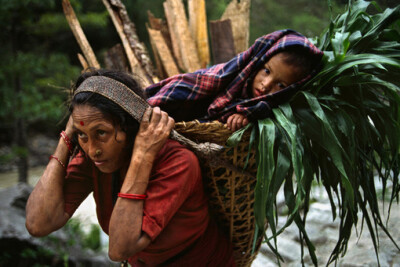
102 142
275 76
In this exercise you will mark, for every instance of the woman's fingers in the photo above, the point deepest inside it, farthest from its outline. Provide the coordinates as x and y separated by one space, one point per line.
156 115
160 122
147 115
69 129
154 131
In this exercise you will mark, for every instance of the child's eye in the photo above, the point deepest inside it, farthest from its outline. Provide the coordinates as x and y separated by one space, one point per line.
266 71
281 86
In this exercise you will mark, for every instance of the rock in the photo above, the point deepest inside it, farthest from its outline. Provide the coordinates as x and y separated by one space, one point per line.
323 232
19 248
40 148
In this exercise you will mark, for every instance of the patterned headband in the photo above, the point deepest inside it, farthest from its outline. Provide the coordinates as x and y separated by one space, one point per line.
117 92
136 106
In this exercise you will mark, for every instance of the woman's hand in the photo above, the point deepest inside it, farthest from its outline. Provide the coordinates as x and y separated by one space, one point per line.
154 131
236 121
69 130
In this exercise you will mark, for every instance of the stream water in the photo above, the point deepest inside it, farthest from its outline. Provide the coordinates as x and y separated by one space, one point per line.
10 178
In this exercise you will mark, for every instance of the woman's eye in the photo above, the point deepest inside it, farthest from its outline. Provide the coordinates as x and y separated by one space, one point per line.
101 133
81 135
281 86
266 71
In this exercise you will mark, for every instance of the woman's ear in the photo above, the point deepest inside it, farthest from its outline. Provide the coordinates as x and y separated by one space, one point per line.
120 135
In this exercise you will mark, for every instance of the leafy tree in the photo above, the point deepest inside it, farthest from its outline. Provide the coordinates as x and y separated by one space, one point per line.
37 48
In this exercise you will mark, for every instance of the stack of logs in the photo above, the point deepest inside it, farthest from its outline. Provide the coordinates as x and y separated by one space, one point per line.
179 44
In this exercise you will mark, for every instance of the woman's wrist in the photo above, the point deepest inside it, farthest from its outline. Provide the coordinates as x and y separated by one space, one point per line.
67 140
62 152
137 176
69 132
143 159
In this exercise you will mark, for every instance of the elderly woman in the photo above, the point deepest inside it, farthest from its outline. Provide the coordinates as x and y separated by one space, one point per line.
147 188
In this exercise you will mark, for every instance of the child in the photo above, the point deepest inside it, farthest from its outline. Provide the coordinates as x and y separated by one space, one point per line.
244 89
281 70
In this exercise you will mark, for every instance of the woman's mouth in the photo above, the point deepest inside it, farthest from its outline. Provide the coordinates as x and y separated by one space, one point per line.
99 162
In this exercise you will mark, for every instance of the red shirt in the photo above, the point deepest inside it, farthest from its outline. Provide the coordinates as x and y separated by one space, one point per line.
175 214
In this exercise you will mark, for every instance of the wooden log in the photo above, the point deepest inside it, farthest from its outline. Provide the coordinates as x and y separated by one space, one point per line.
222 43
155 23
79 35
187 45
161 25
163 52
239 14
173 34
83 61
198 29
160 69
138 48
115 58
134 64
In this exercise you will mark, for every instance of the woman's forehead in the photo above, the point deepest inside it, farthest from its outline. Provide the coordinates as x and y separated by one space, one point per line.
84 114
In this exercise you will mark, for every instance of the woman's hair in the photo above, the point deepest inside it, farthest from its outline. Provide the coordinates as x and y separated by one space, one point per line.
302 59
110 109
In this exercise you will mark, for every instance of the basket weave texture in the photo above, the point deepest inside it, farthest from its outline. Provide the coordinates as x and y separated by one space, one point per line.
230 192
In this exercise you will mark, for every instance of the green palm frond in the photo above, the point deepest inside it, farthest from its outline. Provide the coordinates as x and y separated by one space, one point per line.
342 130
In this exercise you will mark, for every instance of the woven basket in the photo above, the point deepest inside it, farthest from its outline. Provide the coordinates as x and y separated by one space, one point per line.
231 193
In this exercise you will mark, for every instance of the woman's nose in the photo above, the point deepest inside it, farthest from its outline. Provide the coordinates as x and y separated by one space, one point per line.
92 149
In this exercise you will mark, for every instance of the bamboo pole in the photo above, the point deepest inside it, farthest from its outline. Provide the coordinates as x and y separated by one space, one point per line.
133 62
198 28
79 34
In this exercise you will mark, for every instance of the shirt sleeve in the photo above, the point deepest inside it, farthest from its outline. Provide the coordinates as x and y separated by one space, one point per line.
78 183
174 177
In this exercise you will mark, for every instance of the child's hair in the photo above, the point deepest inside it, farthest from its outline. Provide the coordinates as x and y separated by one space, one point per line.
301 59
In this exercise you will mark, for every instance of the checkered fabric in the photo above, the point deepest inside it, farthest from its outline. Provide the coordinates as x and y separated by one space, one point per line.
222 90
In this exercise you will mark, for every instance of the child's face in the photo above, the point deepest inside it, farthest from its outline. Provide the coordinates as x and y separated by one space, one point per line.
275 76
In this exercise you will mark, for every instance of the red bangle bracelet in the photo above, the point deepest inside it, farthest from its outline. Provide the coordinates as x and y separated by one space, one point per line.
59 161
132 196
66 140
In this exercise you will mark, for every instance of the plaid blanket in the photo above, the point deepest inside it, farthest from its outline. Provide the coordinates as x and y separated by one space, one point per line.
221 90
